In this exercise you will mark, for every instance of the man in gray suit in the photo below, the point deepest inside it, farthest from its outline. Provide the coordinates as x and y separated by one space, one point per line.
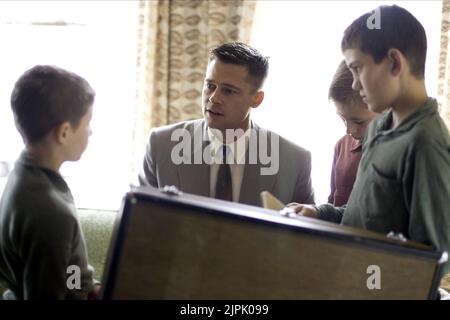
226 155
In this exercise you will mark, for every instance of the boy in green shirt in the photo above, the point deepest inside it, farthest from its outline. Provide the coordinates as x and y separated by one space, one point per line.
403 179
42 248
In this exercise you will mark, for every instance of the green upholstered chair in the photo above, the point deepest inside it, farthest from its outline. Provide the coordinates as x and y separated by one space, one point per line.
97 227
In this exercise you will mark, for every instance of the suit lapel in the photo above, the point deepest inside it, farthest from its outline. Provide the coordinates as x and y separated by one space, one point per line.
253 183
194 178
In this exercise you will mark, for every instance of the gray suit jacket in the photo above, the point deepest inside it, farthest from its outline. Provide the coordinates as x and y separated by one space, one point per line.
291 182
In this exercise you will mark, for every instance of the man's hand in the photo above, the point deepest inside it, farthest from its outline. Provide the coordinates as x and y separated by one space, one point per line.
304 210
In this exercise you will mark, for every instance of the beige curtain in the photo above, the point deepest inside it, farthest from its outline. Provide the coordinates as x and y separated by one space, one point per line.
444 64
444 84
174 39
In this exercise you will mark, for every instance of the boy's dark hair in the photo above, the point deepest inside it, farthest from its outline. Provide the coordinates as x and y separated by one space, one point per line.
341 86
46 96
399 29
243 55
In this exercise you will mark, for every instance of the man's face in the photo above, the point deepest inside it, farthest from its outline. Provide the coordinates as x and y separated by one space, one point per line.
228 96
375 83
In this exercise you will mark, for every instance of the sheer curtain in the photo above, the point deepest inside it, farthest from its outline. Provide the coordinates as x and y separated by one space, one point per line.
174 38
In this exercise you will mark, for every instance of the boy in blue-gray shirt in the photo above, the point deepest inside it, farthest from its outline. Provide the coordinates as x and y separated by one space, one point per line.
403 179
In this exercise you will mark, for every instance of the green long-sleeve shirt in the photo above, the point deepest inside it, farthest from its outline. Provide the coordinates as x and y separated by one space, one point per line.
403 180
40 236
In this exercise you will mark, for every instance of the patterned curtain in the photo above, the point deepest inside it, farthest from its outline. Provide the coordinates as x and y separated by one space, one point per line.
444 64
174 39
444 85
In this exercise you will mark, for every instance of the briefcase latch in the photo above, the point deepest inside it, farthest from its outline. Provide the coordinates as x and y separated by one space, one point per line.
171 191
396 236
288 212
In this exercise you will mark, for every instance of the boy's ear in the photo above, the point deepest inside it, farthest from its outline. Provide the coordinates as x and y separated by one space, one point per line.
397 61
62 132
259 97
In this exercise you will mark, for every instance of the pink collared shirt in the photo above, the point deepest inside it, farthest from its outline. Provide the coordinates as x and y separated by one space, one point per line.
347 154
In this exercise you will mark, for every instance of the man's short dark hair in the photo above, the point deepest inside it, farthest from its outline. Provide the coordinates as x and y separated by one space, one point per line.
46 96
241 54
399 29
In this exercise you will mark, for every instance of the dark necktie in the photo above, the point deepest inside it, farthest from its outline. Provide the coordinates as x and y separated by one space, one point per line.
224 188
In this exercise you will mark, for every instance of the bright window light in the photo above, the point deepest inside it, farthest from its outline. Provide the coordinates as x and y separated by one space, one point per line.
97 40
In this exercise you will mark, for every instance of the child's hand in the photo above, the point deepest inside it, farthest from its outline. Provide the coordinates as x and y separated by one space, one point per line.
305 210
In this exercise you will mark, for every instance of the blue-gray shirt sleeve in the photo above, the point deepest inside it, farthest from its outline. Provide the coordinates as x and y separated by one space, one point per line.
330 213
427 181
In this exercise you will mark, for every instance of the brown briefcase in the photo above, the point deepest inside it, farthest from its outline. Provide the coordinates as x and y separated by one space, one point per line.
170 245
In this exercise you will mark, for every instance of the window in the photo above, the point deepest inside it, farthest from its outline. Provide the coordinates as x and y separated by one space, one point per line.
302 39
97 40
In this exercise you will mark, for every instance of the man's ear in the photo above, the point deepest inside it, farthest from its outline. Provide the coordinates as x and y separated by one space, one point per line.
61 132
259 97
397 61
